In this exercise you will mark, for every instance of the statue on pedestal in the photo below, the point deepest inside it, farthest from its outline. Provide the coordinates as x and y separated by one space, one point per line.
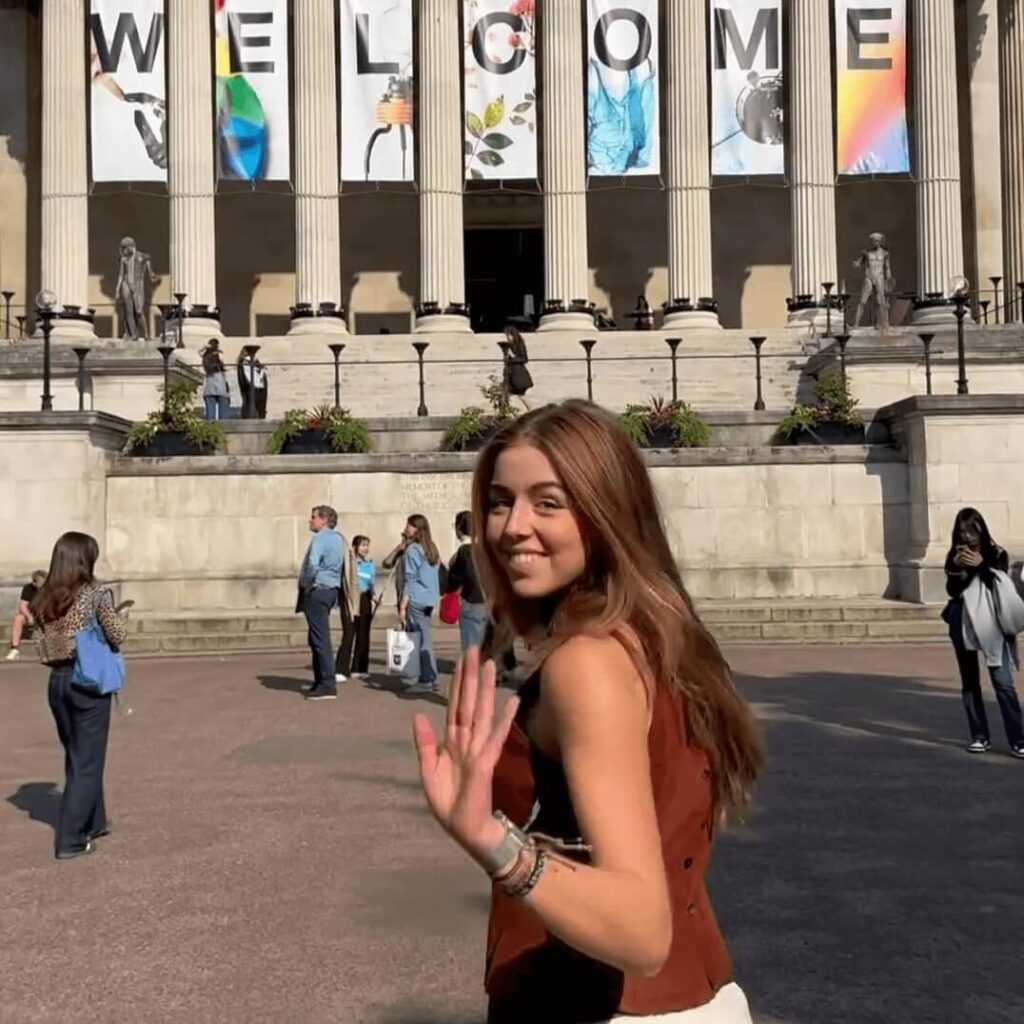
878 281
133 273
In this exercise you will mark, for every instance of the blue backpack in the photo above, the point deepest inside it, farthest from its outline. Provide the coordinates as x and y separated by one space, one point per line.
98 668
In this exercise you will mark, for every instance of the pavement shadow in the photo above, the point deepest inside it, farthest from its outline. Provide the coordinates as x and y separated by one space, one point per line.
39 800
877 843
289 684
399 688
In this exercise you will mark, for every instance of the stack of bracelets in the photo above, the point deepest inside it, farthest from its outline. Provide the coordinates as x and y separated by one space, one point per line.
517 863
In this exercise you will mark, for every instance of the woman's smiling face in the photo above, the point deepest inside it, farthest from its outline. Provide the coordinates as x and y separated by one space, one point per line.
531 527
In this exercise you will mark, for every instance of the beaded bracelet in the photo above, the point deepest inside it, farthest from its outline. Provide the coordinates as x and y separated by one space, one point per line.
525 888
521 870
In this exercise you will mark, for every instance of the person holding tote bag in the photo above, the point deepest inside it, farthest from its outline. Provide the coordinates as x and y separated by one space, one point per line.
421 594
976 568
68 603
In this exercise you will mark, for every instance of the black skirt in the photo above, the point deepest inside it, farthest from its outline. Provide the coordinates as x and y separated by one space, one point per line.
517 378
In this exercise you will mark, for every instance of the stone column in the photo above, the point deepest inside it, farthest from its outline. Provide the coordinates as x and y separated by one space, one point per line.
566 303
190 169
64 234
689 169
1011 75
812 160
318 307
442 305
940 242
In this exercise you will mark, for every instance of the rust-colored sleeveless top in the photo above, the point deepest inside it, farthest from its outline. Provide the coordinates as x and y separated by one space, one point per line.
530 974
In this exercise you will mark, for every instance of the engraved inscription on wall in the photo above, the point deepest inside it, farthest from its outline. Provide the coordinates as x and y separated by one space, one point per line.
436 492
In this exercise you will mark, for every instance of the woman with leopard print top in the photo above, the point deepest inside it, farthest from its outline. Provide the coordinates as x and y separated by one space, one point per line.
66 603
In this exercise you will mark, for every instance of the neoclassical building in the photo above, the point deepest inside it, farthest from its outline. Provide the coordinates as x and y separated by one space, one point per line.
446 251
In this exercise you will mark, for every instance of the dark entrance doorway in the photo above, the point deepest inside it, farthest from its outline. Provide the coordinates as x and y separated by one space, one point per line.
504 275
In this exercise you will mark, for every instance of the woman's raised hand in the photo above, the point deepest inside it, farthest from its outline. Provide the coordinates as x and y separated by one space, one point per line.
457 776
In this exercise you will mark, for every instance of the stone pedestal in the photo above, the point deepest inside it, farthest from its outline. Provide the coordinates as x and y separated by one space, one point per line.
688 173
442 306
64 228
190 168
812 159
940 255
566 305
318 308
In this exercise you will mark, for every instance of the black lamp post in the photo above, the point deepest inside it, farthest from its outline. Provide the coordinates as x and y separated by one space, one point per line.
995 287
673 344
926 340
249 412
165 353
81 351
21 326
336 349
180 297
844 302
1020 293
960 311
588 345
759 400
984 303
842 341
828 286
45 312
7 313
421 347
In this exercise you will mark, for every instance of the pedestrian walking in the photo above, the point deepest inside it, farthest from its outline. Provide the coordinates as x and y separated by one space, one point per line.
70 601
319 587
972 562
216 390
23 620
593 816
421 592
252 381
357 601
463 580
517 377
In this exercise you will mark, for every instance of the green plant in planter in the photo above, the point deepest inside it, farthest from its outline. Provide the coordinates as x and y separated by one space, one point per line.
345 433
181 417
684 425
833 403
473 422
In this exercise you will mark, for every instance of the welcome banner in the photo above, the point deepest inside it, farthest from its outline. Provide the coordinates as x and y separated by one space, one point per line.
128 110
623 127
747 130
252 89
377 88
500 78
871 94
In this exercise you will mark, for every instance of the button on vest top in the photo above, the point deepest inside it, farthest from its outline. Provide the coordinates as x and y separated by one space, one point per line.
530 974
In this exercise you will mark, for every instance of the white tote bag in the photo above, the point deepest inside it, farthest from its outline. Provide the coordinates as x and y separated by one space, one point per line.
403 653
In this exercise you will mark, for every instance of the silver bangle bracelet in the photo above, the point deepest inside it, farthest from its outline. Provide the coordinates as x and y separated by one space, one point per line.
495 861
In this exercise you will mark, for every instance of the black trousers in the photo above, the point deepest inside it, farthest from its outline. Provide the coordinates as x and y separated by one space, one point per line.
83 725
354 652
260 403
316 606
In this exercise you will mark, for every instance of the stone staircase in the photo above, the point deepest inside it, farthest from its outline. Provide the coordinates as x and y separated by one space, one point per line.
794 622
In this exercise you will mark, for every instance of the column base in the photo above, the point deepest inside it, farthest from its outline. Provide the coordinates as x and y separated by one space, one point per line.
71 324
575 315
433 318
682 315
934 308
325 318
806 311
200 323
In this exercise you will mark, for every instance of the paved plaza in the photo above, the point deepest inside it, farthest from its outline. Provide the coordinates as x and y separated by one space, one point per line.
273 860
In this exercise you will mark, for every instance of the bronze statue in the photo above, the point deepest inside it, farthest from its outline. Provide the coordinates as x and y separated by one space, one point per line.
878 281
130 294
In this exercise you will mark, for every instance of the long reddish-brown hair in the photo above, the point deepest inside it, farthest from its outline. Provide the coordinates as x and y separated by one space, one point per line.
631 587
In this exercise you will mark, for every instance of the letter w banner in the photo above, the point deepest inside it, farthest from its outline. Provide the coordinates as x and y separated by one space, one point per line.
377 88
871 95
128 111
501 89
623 129
747 130
252 90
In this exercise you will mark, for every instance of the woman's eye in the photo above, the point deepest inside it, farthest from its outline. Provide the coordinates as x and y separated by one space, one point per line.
548 505
496 503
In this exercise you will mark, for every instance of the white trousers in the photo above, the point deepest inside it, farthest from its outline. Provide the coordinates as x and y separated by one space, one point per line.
728 1007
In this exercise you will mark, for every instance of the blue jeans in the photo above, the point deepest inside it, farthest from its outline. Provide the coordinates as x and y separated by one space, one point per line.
417 620
472 625
83 724
970 679
316 606
218 407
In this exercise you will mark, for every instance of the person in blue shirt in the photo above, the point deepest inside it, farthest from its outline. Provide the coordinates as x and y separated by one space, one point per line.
319 586
421 594
356 612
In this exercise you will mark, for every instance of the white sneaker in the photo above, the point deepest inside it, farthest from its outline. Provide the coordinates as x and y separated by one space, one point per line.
13 654
339 678
360 675
978 746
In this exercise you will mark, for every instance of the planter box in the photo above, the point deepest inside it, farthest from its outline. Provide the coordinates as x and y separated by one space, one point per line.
831 434
662 437
309 442
170 443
